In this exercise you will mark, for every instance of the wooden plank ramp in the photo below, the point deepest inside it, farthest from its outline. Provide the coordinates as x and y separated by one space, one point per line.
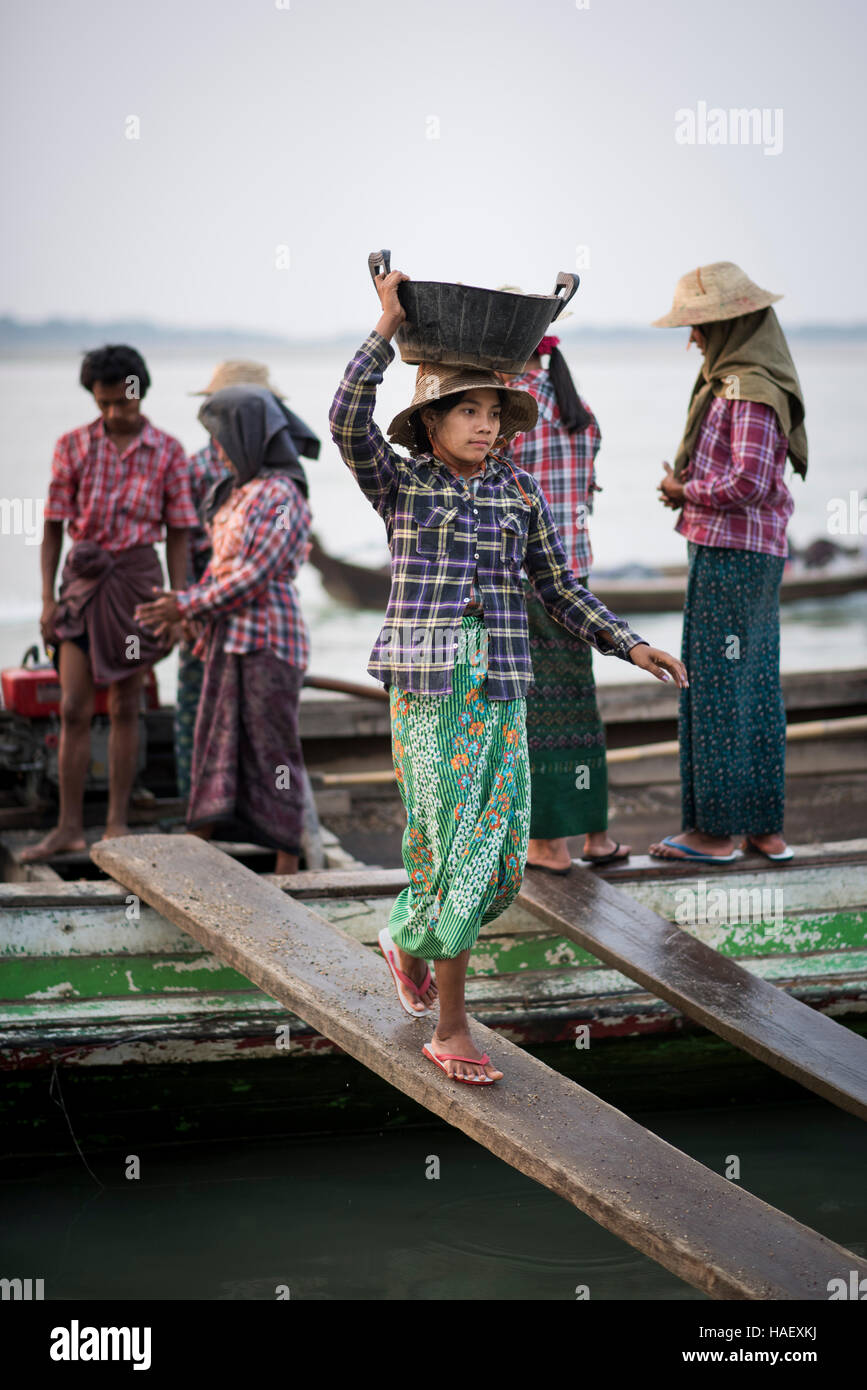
709 987
705 1229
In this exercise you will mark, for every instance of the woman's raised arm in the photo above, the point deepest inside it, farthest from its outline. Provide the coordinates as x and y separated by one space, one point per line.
363 449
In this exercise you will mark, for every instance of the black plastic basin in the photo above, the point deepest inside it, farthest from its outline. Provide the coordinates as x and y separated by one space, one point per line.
463 324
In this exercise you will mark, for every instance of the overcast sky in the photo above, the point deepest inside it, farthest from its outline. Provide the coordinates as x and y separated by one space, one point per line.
487 141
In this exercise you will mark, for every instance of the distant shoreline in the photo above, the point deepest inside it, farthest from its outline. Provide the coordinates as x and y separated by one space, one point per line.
53 336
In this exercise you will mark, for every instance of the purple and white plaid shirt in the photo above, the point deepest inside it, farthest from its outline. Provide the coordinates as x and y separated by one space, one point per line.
563 465
441 536
735 493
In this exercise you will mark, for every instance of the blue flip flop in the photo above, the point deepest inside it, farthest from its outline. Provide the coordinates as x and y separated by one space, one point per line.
788 852
687 853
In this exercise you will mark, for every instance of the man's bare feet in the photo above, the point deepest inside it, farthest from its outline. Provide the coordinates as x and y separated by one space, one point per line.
548 854
461 1044
694 839
415 968
57 841
599 843
114 832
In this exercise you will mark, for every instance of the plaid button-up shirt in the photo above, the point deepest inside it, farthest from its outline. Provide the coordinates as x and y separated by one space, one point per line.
440 536
257 597
205 468
735 495
119 500
562 463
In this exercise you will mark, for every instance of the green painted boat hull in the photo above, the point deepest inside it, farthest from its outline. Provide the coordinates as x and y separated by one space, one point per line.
92 982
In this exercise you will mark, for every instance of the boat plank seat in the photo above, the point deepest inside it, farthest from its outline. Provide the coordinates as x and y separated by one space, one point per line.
711 988
705 1229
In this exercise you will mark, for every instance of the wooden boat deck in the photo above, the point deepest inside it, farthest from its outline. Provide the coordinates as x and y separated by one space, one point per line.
72 864
703 1228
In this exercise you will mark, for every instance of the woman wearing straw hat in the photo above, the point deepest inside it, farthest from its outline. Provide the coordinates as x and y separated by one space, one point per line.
461 525
745 416
565 734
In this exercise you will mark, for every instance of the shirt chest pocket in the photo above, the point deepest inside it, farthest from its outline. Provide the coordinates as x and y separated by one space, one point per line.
435 531
513 536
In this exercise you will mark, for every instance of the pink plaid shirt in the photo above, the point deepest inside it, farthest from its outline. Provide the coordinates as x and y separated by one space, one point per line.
562 464
256 595
119 500
735 493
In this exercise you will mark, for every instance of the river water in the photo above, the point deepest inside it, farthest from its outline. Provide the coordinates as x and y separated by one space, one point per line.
359 1219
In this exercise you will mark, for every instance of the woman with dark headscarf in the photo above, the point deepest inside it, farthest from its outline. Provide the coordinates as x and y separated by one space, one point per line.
746 415
247 770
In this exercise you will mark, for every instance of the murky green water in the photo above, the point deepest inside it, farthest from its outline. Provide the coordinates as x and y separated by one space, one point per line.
358 1218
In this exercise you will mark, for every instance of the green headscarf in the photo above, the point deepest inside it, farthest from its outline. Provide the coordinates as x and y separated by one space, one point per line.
752 348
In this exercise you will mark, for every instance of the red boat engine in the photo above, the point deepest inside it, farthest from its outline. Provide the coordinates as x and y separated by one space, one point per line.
30 729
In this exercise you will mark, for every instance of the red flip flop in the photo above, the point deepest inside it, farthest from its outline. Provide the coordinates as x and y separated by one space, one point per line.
482 1061
389 950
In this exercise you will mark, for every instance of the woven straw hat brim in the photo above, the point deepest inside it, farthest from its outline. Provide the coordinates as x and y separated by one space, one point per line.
520 414
279 394
239 372
712 293
704 309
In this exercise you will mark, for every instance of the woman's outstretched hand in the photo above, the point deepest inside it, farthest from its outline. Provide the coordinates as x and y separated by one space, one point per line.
393 312
161 614
671 493
659 663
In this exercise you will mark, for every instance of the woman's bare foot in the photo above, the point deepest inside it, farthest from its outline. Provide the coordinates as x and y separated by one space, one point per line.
549 854
720 845
599 843
461 1044
57 841
769 844
114 832
415 968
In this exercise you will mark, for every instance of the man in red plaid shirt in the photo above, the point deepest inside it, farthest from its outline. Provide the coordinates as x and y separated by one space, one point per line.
117 482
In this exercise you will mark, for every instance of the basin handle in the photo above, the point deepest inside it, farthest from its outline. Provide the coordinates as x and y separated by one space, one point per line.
377 259
565 281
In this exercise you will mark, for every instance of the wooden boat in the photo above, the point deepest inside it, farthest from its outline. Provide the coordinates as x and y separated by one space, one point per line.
549 1127
346 734
92 979
360 586
90 987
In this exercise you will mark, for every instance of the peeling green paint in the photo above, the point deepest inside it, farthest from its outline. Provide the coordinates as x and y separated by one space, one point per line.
101 977
89 971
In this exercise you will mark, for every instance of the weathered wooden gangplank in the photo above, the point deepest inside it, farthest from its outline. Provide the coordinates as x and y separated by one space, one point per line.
711 988
692 1221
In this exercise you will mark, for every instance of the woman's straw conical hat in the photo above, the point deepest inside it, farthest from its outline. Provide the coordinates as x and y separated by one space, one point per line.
239 372
714 292
433 380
